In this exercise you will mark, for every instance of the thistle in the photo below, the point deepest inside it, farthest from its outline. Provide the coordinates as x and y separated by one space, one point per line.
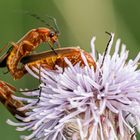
81 103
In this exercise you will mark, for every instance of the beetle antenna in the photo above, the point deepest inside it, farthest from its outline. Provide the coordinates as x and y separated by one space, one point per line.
55 23
106 47
40 19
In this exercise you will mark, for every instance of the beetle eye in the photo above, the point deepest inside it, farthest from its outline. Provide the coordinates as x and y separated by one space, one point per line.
52 34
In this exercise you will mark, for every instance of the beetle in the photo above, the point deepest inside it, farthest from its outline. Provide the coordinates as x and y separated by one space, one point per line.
25 46
6 92
49 60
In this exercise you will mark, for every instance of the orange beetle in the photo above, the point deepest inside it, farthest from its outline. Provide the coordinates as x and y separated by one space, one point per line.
49 60
25 46
6 92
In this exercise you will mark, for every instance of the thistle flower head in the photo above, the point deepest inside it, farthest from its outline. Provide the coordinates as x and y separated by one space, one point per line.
81 103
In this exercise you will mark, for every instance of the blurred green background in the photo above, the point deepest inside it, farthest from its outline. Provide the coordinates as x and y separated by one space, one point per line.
78 21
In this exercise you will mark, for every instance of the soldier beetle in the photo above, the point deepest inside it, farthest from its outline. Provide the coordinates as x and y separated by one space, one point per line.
25 46
6 92
49 60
